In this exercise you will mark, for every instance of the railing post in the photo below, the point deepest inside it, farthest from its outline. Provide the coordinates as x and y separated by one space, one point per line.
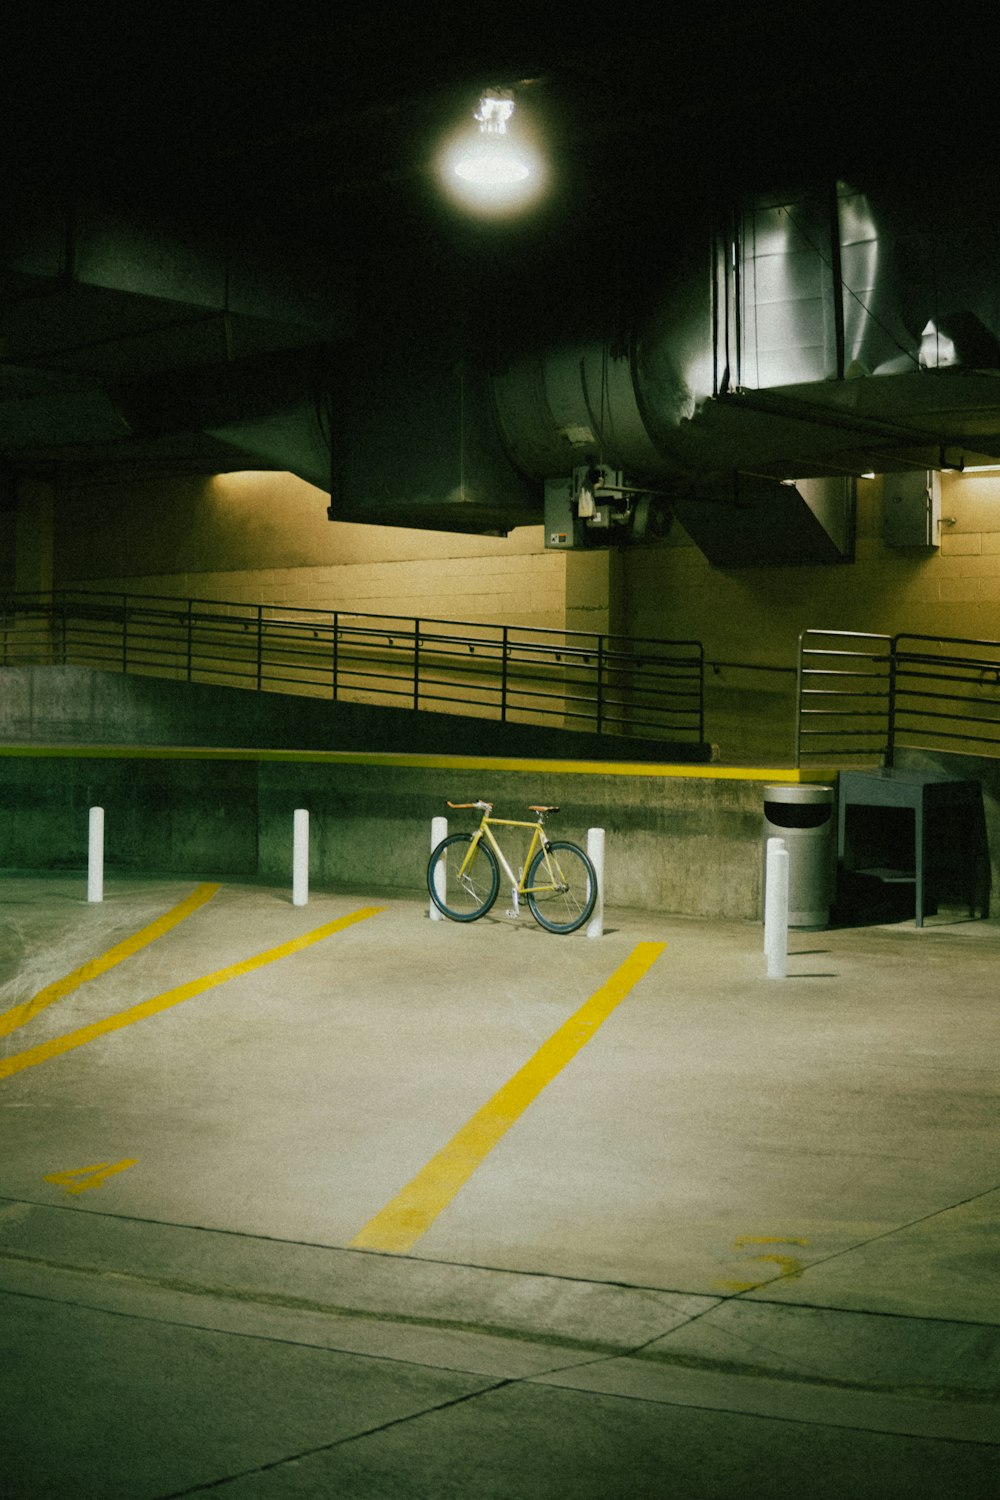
798 702
890 736
190 641
503 677
336 649
63 638
599 704
416 664
124 632
260 645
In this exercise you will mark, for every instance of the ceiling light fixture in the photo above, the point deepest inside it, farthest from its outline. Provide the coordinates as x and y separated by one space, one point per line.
492 169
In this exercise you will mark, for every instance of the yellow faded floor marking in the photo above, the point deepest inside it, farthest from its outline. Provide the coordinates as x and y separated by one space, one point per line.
19 1015
79 1038
399 1225
83 1179
790 1266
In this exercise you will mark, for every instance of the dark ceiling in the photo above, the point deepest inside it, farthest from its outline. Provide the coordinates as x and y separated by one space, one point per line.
323 119
305 136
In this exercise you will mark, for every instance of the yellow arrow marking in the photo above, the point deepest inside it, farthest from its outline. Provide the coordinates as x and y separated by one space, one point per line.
89 1177
19 1015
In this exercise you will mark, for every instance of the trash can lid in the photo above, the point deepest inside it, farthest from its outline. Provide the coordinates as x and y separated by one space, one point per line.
798 794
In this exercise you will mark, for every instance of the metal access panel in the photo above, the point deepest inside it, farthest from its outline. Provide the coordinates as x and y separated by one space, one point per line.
911 509
563 527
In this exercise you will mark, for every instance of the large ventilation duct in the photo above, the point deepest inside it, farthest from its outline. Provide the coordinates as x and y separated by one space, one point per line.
129 340
805 336
802 344
416 443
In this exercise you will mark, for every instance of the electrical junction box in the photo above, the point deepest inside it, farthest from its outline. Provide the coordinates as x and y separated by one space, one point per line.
911 509
563 527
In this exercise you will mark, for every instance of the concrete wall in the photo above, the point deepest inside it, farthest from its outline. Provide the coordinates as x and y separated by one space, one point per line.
186 817
686 845
682 839
76 706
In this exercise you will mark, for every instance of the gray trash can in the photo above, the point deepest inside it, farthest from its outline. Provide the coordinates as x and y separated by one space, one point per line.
803 817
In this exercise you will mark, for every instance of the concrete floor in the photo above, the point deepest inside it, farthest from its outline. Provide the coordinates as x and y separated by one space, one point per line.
672 1229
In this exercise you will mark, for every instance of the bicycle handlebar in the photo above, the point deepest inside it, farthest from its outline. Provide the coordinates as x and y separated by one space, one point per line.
488 807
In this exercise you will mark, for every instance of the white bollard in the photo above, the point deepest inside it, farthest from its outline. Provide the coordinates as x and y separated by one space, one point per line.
439 831
595 852
776 909
300 857
772 846
95 855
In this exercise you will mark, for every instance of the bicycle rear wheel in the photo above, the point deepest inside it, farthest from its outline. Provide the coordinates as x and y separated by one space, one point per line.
561 887
463 897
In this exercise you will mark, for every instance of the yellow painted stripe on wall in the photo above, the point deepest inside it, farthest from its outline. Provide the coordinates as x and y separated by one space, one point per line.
399 1225
19 1015
707 772
146 1008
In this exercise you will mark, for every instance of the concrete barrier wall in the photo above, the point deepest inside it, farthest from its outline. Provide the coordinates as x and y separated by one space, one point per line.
183 817
79 706
681 838
684 839
684 843
678 844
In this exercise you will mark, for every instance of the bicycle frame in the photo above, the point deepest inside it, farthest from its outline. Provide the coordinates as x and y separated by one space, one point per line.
538 840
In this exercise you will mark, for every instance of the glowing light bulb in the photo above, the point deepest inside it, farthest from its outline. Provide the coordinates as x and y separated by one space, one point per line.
489 169
491 161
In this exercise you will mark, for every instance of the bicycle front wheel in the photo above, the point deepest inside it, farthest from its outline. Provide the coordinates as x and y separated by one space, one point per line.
561 887
463 894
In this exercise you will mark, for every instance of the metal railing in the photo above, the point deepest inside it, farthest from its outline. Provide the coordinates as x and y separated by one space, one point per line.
868 695
611 685
945 694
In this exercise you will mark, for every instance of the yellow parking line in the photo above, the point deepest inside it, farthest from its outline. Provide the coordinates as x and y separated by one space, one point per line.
399 1225
19 1015
60 1044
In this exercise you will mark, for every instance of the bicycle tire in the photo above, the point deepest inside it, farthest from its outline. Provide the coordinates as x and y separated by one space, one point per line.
568 907
472 897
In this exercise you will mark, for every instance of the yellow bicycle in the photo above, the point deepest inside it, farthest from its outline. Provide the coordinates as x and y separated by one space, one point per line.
463 874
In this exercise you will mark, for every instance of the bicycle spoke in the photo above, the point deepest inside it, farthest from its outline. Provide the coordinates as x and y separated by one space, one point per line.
462 895
561 887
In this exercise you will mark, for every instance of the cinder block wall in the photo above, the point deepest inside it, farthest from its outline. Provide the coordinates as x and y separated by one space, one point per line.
755 615
264 538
